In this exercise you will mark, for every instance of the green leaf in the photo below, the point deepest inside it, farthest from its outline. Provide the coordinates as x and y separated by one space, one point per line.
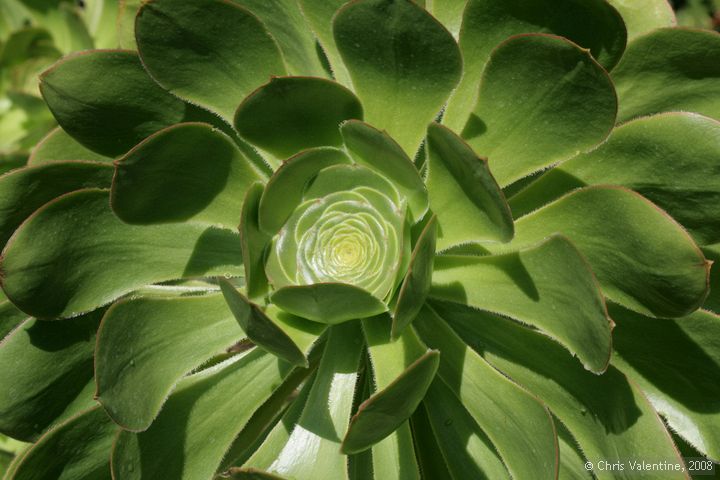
284 190
285 336
58 146
74 255
254 241
643 16
417 281
113 115
675 362
670 69
542 99
319 15
286 23
78 449
572 459
430 458
642 258
609 417
686 187
712 252
393 458
549 286
163 179
146 345
402 372
449 13
463 192
467 451
230 46
24 190
402 62
329 303
290 114
46 366
517 423
204 406
375 149
592 24
10 317
312 449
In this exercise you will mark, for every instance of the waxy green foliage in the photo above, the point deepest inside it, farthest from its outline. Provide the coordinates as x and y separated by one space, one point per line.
367 240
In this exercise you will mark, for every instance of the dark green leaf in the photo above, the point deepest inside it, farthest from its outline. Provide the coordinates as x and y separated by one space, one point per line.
254 241
58 146
328 302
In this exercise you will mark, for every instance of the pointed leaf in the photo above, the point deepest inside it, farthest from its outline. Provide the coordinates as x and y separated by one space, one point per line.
146 345
286 23
112 116
393 458
465 196
430 458
642 16
58 146
254 241
230 46
290 114
207 405
377 150
608 416
416 285
549 286
284 190
187 172
686 145
677 364
319 14
670 69
542 99
651 266
518 425
402 62
78 449
283 335
329 303
592 24
74 255
46 366
24 190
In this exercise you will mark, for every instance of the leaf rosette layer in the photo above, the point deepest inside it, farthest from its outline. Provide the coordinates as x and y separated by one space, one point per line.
376 239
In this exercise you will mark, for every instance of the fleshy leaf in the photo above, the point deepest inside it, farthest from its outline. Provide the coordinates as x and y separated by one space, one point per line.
592 24
312 448
113 115
200 409
10 316
542 99
549 286
609 416
74 255
517 423
58 146
319 14
430 458
393 458
676 363
230 46
254 241
651 266
712 252
402 372
161 340
449 13
287 337
417 281
329 303
290 114
466 448
687 146
377 150
643 16
78 449
187 172
286 23
465 196
285 188
46 366
402 62
24 190
670 69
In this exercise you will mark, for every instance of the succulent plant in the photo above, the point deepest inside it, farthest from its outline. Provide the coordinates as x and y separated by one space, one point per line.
378 239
